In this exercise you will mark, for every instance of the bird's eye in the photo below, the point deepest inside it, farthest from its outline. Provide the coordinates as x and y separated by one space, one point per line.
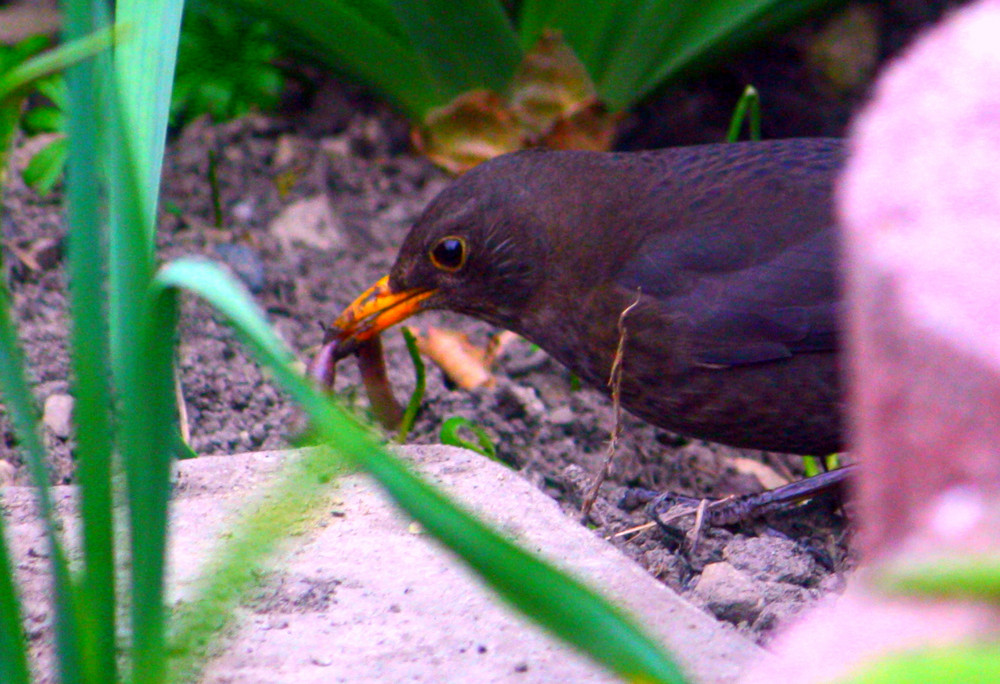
449 253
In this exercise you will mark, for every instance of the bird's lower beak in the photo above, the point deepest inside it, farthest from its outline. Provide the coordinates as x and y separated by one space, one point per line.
375 310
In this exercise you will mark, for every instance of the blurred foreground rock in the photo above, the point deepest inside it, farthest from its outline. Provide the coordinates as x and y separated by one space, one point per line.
920 204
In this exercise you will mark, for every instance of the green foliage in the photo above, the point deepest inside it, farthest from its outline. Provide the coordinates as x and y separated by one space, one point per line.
965 663
45 168
420 381
747 109
26 70
226 65
422 55
483 444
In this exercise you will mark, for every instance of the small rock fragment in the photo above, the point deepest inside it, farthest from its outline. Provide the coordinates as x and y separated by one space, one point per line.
728 594
775 559
58 415
310 222
517 401
7 472
245 263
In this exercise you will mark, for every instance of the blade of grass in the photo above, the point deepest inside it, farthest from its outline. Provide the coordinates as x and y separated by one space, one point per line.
13 654
554 600
54 60
144 69
449 435
970 577
86 270
969 662
413 405
141 353
291 505
749 105
23 415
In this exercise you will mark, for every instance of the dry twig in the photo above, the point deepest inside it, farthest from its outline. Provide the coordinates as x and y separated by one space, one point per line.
615 383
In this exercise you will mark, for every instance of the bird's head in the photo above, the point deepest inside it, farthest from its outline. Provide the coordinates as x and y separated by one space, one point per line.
479 249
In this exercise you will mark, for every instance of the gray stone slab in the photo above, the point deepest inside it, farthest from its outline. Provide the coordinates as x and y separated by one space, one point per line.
405 610
367 597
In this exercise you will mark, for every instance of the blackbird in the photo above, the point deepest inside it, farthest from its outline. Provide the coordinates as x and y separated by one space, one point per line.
727 252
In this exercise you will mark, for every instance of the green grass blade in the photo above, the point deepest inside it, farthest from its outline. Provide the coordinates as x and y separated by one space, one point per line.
419 385
292 504
971 577
144 68
53 61
86 270
748 106
23 415
462 48
554 600
968 662
13 646
148 428
138 104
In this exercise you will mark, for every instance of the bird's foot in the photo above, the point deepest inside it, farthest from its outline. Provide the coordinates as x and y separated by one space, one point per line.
667 507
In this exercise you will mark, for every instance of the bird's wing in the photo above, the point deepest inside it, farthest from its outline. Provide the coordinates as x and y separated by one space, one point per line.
742 303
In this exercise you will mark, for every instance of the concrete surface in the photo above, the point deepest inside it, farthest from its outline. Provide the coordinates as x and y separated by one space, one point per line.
403 609
367 597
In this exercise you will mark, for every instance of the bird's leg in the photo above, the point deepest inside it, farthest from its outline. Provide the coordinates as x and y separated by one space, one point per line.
668 506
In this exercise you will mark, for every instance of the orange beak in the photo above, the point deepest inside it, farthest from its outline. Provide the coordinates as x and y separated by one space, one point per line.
375 310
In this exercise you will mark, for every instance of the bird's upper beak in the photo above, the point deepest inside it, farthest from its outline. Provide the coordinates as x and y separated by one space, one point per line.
375 310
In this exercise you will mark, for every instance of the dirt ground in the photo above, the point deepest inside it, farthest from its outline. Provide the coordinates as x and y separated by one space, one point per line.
314 203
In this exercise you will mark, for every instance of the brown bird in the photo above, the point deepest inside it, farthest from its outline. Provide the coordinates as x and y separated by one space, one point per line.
728 251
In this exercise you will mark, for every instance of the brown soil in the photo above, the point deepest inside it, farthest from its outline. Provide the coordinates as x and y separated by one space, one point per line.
353 155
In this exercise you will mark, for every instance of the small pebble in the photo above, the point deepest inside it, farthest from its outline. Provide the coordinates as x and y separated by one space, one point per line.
58 415
245 263
7 472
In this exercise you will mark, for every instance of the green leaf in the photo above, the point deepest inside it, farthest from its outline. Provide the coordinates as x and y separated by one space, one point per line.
43 120
935 665
13 647
22 412
462 50
361 38
46 167
24 74
144 69
483 444
86 276
630 48
413 405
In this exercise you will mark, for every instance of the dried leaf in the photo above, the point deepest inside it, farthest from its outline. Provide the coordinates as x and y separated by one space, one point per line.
496 346
590 128
766 475
551 101
550 85
462 361
38 255
472 128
